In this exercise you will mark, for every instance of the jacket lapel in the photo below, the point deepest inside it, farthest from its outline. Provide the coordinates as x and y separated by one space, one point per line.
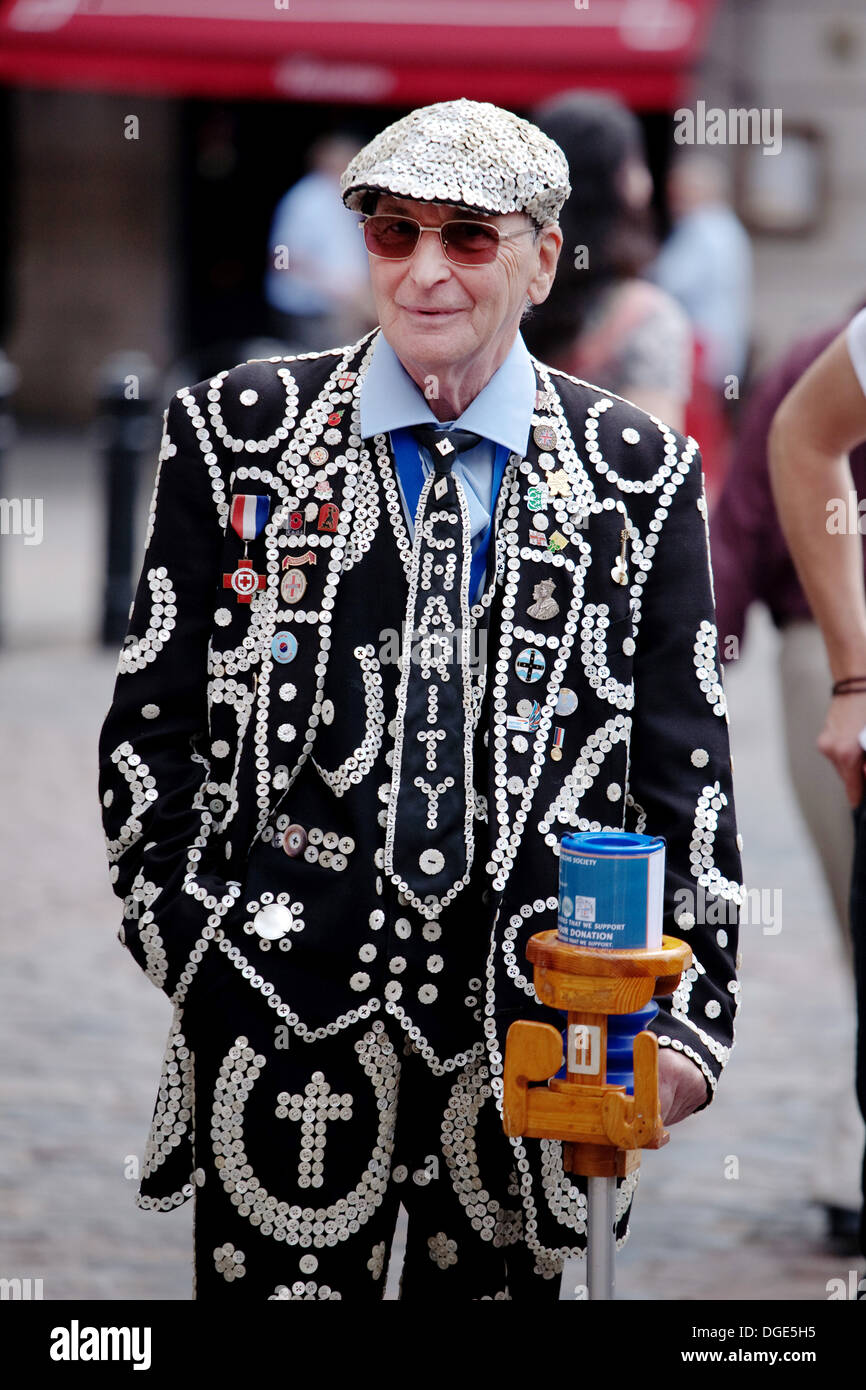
543 545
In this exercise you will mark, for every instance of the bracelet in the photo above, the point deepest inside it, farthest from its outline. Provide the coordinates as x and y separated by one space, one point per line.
851 685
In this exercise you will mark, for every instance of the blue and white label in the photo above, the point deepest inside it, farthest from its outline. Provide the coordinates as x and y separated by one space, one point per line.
611 890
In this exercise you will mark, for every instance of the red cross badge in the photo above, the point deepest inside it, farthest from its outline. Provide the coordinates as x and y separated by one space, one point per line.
293 586
244 581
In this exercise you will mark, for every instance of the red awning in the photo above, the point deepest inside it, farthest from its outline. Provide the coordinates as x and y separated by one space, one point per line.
389 52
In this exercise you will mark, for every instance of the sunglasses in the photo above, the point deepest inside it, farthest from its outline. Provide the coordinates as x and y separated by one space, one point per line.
464 242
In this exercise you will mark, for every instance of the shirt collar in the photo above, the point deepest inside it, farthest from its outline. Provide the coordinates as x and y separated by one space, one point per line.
502 410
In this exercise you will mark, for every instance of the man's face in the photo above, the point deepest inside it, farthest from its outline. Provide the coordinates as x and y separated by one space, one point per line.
438 316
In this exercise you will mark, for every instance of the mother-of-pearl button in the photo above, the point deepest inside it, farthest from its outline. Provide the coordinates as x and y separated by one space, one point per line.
249 397
272 921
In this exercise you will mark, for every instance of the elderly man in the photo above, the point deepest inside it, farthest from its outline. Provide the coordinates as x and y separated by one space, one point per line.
410 609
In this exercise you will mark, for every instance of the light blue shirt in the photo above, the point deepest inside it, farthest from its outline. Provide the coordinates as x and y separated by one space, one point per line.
501 413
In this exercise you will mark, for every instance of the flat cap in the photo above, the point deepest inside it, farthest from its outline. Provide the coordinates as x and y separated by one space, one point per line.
470 153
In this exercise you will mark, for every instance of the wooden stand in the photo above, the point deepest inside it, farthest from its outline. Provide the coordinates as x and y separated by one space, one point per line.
602 1127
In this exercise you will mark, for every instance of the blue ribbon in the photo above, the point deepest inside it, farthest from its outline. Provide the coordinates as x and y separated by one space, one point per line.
410 470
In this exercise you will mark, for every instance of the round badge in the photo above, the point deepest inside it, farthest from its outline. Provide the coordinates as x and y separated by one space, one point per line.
530 665
319 455
294 840
293 586
544 436
284 647
567 702
556 754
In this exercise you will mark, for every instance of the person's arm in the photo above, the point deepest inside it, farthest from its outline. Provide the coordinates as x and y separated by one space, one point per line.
681 783
818 422
154 750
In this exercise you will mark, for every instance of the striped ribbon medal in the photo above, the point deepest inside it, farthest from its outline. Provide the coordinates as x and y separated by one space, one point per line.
248 514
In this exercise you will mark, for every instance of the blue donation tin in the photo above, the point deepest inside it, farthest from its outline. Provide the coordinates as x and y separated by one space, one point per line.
611 890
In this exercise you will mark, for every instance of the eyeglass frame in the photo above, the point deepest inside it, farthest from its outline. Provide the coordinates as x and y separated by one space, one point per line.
465 265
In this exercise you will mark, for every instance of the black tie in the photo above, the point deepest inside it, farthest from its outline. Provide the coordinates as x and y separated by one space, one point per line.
429 841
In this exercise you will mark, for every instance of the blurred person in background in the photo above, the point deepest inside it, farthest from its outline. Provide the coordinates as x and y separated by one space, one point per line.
603 322
317 283
752 564
819 423
706 264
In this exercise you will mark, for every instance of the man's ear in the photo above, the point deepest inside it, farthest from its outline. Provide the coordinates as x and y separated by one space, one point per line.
547 249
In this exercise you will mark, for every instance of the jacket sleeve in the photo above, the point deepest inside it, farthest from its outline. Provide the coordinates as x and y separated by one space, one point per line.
154 747
681 775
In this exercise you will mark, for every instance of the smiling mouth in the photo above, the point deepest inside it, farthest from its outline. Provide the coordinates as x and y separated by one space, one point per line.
430 313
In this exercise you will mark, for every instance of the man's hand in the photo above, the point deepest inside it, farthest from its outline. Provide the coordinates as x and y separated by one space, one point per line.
839 742
682 1087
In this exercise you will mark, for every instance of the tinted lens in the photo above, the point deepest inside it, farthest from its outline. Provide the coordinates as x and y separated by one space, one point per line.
392 237
470 243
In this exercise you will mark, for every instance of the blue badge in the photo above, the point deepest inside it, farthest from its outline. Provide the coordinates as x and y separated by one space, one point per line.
284 647
530 665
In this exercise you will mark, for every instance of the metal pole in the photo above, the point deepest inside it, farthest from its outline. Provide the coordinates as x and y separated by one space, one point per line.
600 1240
125 428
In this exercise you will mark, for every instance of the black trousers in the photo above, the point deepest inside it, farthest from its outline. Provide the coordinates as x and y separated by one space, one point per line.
305 1154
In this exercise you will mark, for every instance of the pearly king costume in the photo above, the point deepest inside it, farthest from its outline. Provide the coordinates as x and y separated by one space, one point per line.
340 1007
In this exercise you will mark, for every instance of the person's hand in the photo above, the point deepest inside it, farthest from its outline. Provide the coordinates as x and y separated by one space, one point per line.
682 1087
838 741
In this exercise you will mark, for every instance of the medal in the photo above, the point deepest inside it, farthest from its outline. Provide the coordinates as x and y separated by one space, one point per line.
530 665
556 746
545 436
293 586
244 581
284 647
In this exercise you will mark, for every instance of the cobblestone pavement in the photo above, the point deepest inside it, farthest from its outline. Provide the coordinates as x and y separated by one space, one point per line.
724 1212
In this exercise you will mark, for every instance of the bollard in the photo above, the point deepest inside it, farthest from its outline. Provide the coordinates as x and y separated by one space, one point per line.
125 428
8 384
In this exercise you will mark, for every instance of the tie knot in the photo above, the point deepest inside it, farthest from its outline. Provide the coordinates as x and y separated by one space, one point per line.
444 445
